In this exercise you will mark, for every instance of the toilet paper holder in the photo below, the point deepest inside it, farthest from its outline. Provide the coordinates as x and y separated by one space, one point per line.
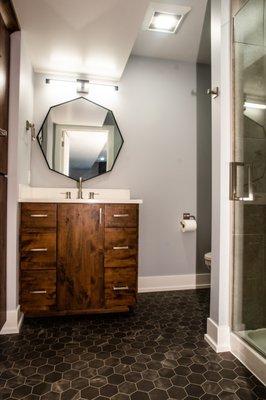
188 216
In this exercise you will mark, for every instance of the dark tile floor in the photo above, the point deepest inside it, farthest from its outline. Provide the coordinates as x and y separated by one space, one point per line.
155 353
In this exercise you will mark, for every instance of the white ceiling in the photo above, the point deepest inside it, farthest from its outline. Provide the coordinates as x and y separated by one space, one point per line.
94 37
85 147
182 46
80 112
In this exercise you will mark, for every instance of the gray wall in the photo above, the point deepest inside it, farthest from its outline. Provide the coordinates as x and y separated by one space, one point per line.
203 164
204 139
156 112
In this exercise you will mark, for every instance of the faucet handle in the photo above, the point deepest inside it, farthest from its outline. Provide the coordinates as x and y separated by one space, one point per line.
67 194
92 194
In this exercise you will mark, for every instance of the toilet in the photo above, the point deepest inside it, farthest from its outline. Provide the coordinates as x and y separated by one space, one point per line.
208 260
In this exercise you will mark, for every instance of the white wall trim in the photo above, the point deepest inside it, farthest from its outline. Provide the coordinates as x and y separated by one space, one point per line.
172 282
218 337
14 319
249 357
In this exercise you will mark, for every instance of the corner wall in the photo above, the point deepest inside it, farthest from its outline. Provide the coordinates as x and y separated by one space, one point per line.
218 329
19 143
204 141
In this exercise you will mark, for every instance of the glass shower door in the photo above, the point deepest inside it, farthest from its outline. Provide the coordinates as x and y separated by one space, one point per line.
248 174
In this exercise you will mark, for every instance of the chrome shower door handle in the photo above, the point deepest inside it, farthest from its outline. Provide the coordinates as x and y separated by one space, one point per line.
234 166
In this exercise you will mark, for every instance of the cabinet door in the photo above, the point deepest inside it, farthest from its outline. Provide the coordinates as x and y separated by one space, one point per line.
80 283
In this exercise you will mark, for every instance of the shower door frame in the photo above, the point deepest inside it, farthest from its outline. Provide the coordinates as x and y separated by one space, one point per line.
242 349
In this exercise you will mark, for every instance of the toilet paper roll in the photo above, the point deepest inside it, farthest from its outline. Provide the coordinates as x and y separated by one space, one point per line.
188 225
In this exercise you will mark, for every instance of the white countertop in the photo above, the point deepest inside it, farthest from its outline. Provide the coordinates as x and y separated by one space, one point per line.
30 194
83 201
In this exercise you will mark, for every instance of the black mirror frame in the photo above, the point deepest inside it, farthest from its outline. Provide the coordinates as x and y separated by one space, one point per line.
69 101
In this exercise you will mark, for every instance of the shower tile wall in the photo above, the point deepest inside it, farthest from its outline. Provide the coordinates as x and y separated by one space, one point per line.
255 153
250 235
250 147
250 267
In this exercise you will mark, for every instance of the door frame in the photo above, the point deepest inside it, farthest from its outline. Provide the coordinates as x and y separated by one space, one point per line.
10 23
218 323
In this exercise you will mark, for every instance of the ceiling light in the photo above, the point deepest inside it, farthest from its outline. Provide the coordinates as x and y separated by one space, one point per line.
165 22
60 82
83 86
258 106
164 17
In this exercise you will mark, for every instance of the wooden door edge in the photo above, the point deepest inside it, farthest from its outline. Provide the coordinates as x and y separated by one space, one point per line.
9 16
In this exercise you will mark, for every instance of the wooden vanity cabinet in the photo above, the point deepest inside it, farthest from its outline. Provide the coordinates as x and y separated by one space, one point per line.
78 258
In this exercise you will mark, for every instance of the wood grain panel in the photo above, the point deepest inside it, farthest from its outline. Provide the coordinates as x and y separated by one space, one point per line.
3 203
80 257
121 215
4 73
124 278
9 16
121 247
38 250
38 215
38 290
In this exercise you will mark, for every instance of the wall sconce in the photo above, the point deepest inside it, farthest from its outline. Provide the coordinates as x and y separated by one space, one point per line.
31 127
82 85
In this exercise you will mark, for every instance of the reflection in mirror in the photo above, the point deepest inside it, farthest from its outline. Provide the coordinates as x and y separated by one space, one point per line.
80 138
250 115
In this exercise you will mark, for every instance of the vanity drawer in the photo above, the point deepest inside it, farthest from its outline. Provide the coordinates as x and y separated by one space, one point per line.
38 250
121 247
38 215
38 290
121 215
120 286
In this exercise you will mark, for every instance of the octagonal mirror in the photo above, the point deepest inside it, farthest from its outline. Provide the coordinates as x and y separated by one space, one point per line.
80 139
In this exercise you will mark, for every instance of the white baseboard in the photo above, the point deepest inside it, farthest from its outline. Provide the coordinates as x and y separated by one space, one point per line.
172 282
14 319
218 337
249 357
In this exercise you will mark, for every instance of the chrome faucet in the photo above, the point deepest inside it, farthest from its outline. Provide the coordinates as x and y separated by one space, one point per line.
79 185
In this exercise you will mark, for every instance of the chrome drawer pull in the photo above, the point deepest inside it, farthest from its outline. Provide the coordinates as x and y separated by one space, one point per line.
39 215
121 215
38 291
120 248
39 249
100 216
116 288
